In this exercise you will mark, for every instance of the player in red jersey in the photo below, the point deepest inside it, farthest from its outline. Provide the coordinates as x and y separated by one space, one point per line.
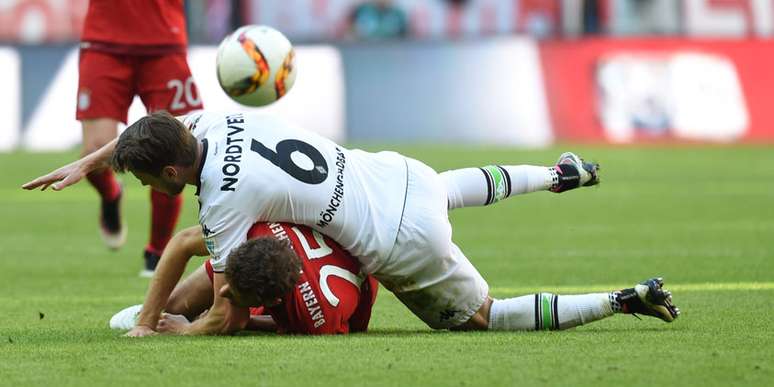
330 295
312 286
128 48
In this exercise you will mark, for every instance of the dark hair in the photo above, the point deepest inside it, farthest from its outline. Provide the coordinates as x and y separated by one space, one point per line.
265 267
152 143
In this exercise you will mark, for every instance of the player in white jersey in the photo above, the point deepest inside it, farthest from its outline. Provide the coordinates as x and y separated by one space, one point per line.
258 167
388 210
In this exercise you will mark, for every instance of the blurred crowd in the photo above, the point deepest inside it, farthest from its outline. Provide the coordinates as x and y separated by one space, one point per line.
313 20
45 21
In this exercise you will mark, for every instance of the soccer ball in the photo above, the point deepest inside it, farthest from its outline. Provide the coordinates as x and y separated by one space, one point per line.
256 65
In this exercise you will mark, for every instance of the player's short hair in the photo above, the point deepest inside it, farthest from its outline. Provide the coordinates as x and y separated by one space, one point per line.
265 267
152 143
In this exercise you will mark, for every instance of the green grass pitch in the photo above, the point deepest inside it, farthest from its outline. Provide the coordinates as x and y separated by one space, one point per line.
702 217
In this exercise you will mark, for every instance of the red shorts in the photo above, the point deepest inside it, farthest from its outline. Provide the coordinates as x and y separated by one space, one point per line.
108 82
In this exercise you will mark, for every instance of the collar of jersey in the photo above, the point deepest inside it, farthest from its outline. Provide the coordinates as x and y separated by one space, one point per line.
201 166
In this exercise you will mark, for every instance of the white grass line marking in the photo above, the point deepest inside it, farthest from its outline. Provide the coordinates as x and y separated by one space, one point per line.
702 287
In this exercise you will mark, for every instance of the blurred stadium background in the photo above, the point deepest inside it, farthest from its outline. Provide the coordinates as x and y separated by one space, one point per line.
516 72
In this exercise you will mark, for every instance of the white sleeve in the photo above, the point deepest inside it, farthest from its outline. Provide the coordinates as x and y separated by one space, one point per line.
224 229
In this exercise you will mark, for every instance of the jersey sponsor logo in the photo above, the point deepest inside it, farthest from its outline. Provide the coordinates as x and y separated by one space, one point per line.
312 306
326 216
233 153
206 231
208 242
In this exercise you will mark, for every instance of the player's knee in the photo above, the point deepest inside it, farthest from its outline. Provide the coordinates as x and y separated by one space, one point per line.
439 242
91 144
89 147
175 304
190 233
479 321
98 132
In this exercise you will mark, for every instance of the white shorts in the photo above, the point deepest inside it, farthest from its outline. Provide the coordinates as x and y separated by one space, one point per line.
426 270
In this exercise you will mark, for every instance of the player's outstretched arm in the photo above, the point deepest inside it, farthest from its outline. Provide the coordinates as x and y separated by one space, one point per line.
75 171
179 250
261 323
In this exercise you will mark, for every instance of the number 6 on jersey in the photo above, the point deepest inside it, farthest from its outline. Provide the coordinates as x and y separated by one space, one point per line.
282 159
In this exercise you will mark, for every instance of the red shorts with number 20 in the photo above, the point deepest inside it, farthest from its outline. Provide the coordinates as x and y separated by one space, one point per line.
108 82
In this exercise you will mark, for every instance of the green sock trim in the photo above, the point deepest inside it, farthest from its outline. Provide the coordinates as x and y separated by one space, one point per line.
498 182
547 312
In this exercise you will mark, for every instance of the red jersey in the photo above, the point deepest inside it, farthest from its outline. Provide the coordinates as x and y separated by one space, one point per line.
331 296
116 24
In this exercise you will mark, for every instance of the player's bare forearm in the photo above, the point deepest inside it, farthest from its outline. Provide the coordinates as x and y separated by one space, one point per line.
223 318
179 250
261 323
210 324
75 171
218 322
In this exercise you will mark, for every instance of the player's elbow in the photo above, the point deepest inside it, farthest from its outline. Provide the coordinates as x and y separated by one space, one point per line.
191 240
189 234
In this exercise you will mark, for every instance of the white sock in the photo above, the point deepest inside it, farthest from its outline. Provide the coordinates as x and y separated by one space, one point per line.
483 186
545 311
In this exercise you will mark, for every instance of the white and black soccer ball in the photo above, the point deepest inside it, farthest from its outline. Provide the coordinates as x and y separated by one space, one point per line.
256 65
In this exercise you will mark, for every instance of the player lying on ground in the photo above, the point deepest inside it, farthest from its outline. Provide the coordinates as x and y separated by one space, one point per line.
388 210
309 285
325 299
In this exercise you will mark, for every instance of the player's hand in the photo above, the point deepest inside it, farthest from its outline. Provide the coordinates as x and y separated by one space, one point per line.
141 331
62 177
75 171
172 323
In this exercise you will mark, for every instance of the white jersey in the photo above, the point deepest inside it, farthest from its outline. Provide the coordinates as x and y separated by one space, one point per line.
257 168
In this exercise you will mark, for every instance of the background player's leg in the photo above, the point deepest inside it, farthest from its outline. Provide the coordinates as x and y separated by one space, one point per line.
96 133
487 185
165 83
104 93
165 210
